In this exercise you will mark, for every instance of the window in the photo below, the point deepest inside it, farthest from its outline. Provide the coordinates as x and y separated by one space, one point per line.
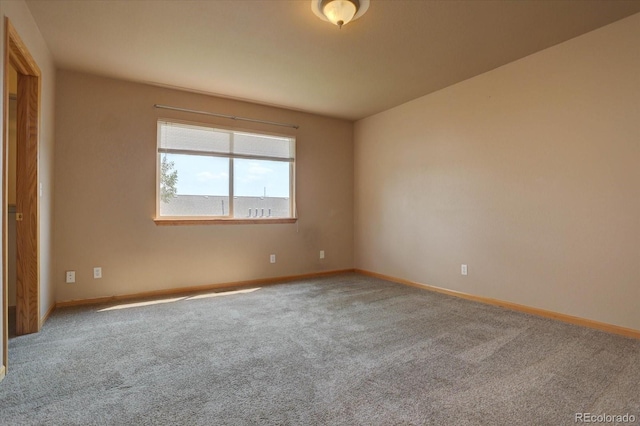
213 174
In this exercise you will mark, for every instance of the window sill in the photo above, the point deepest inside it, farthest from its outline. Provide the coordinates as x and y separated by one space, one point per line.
195 221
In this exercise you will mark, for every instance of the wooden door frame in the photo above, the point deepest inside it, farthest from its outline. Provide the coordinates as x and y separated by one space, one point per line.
17 55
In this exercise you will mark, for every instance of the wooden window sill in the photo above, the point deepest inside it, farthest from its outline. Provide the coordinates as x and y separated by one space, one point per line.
195 221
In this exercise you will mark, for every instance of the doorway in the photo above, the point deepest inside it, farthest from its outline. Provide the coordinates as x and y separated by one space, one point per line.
11 200
27 121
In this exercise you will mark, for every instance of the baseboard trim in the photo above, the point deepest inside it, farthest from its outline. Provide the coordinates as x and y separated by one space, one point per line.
609 328
196 289
47 314
2 372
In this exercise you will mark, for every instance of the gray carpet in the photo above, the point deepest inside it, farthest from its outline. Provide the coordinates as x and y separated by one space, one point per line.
346 349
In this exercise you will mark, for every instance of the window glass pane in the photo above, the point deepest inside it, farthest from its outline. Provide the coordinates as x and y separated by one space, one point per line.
193 138
262 145
261 188
195 172
192 185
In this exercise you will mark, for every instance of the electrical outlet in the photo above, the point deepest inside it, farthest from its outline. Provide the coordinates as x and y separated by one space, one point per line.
70 277
272 258
463 269
321 254
97 272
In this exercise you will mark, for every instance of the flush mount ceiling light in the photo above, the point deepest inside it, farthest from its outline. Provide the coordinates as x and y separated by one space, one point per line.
339 12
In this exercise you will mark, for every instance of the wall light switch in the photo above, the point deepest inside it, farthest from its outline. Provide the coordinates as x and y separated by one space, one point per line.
97 272
70 277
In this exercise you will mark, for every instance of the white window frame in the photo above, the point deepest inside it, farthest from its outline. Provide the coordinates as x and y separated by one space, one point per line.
227 219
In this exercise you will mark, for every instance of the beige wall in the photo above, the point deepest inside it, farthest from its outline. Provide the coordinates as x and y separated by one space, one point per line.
18 12
105 195
529 174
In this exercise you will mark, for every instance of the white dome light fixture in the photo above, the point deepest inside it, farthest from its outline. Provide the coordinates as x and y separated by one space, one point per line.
339 12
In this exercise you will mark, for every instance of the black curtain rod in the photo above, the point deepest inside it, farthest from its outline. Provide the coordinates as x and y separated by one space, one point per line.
230 117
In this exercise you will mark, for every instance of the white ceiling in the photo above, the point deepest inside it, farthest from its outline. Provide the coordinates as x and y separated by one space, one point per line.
278 52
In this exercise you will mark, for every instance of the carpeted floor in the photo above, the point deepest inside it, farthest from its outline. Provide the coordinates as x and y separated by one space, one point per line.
346 349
